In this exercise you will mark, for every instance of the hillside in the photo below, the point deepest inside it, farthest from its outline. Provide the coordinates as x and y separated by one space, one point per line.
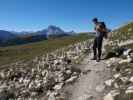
112 78
62 69
123 33
5 36
8 38
25 52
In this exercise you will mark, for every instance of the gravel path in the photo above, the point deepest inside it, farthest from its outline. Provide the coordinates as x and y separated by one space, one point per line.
90 85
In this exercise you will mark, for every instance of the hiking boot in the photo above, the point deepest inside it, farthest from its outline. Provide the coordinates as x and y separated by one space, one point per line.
98 59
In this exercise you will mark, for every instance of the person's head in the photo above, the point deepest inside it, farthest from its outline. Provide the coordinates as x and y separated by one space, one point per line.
95 20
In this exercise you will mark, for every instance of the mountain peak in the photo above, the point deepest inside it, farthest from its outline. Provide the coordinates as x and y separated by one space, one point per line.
52 27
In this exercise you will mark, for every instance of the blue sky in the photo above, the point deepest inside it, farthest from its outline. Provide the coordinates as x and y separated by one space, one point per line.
32 15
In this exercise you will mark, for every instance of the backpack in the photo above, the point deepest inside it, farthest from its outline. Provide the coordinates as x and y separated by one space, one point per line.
101 27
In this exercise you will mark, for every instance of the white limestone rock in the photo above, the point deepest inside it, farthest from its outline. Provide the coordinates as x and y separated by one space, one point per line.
72 79
2 74
52 96
85 97
116 85
100 88
124 79
131 79
108 97
129 90
117 75
112 61
111 95
128 60
68 71
126 53
58 86
109 82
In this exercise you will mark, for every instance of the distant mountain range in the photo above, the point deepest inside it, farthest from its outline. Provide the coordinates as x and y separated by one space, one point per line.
5 36
11 37
53 31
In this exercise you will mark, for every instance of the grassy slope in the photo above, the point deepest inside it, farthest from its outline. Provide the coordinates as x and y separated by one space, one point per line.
129 30
123 33
29 51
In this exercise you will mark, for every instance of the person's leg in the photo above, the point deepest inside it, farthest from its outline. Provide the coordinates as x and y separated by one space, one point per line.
95 49
99 46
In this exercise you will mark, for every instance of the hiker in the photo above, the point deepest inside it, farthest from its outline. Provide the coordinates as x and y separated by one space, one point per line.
101 32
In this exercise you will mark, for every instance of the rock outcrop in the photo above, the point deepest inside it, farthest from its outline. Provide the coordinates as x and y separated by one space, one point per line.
44 76
121 82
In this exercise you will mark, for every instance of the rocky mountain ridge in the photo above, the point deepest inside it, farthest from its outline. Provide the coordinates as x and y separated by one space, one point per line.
10 38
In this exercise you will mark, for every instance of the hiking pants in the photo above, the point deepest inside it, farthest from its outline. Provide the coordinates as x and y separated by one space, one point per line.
97 46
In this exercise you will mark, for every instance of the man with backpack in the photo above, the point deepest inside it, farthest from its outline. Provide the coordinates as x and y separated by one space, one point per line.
101 32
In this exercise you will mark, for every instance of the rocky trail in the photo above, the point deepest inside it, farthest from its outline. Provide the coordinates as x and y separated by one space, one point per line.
94 83
90 85
69 74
